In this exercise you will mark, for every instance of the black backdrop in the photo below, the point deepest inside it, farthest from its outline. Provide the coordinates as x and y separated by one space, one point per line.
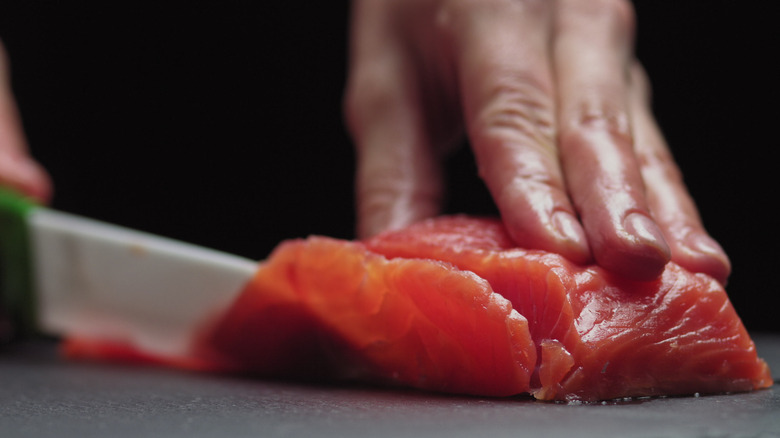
220 123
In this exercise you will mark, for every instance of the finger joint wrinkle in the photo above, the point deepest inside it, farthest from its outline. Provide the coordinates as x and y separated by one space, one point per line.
518 113
607 118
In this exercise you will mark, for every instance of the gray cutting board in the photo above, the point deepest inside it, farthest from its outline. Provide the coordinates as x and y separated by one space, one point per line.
42 395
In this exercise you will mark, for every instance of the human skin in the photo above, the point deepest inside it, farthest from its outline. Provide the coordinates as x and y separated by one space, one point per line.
552 101
556 109
18 170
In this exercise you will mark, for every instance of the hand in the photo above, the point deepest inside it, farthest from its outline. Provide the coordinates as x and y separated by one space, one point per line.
17 169
556 110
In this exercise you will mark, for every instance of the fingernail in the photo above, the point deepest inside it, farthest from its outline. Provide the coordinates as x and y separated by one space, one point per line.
704 243
568 228
700 244
647 232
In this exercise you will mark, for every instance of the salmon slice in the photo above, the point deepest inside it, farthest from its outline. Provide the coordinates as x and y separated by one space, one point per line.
450 305
599 336
356 314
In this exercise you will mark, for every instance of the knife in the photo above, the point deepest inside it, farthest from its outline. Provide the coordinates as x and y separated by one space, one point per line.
66 275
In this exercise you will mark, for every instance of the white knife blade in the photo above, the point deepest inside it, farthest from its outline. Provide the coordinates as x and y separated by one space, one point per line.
97 280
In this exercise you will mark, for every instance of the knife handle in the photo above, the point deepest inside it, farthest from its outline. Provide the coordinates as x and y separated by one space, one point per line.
16 288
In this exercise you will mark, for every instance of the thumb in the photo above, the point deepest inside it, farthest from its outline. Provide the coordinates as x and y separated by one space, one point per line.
17 168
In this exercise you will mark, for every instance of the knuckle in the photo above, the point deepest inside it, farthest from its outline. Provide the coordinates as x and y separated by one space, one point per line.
529 178
605 116
657 162
518 109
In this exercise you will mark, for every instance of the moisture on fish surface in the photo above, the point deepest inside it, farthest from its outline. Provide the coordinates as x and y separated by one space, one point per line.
449 304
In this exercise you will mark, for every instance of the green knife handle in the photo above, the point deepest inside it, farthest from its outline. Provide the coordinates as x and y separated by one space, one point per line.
16 288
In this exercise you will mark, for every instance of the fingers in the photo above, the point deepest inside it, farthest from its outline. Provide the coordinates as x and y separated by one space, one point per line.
507 88
593 47
562 134
17 169
672 206
398 177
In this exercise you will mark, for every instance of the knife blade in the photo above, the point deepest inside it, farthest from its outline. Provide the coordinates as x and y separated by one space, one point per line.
68 275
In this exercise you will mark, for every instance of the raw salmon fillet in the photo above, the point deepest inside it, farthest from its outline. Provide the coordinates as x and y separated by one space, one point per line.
450 305
599 336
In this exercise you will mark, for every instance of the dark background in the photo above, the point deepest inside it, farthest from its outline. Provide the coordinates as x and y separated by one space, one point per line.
220 123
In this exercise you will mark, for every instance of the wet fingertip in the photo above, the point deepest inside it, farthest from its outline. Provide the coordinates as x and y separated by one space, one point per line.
638 252
701 253
571 236
645 232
